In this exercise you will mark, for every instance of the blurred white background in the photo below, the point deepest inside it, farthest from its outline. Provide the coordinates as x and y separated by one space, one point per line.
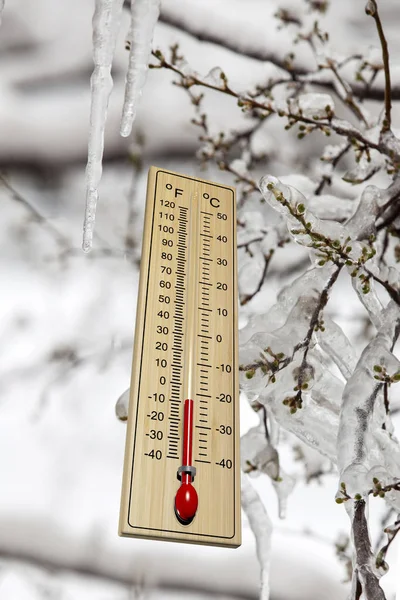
67 319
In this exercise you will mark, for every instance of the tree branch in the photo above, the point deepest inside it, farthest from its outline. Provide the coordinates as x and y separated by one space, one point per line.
364 579
372 9
221 38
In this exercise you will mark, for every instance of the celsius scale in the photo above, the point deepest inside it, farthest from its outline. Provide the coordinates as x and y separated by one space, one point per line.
181 477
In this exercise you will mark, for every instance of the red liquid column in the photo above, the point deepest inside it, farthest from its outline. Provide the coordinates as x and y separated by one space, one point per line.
186 499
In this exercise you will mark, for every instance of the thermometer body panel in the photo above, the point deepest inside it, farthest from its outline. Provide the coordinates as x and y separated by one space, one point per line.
187 307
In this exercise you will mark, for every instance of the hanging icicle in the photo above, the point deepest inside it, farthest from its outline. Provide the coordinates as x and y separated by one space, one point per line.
144 16
106 21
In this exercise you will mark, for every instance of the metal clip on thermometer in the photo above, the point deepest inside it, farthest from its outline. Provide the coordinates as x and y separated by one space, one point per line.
182 469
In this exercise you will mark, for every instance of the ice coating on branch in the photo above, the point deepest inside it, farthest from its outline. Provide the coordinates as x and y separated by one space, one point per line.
257 454
270 367
364 169
335 343
144 16
315 425
360 448
106 20
215 77
370 301
312 106
261 527
362 224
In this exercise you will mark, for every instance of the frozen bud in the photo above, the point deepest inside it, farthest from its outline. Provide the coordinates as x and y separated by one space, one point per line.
370 8
355 480
215 77
316 106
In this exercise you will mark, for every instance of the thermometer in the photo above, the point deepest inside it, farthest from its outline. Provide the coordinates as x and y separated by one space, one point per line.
181 478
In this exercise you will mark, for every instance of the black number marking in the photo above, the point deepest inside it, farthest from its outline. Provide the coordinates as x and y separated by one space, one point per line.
163 346
225 462
164 314
225 398
155 435
160 398
156 416
225 429
167 216
154 454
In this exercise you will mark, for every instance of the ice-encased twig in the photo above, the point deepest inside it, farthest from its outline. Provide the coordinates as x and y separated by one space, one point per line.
365 575
144 16
261 526
358 448
106 20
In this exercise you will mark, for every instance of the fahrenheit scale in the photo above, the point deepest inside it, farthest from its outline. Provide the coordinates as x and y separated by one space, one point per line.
181 477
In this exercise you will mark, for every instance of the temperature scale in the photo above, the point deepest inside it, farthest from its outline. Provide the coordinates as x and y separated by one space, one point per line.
182 470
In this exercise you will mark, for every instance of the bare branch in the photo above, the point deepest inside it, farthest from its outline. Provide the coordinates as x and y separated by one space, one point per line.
264 54
372 9
365 581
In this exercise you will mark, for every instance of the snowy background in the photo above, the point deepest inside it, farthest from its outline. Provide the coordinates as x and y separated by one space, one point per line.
66 319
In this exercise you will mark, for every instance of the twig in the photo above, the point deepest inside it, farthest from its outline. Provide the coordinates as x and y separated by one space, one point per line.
372 10
339 126
334 163
36 215
264 54
392 531
267 259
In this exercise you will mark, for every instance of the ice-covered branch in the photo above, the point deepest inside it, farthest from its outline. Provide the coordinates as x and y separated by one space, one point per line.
206 29
388 145
364 448
365 575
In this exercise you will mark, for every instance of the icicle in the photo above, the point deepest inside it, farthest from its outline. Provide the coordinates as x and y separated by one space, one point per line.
106 21
261 526
144 14
121 408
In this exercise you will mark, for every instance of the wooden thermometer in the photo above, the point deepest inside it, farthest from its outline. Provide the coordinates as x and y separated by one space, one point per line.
182 470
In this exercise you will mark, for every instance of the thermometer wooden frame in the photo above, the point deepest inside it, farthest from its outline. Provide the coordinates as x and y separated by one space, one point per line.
178 205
